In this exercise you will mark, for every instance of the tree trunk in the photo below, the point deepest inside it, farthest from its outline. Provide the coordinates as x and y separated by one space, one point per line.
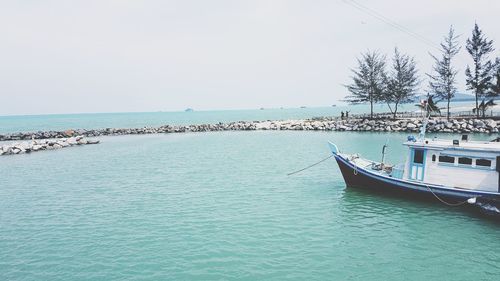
477 106
390 108
448 109
371 109
395 111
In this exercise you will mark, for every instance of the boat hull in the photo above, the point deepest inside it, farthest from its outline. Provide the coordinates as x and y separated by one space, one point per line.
360 178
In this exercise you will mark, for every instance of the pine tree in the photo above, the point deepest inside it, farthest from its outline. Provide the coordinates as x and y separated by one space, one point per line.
443 80
368 80
402 81
479 79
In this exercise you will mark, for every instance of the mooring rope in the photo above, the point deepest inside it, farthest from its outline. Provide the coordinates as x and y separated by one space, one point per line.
444 202
355 170
351 159
310 166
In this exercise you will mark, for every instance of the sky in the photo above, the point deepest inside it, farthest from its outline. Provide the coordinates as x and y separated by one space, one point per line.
134 56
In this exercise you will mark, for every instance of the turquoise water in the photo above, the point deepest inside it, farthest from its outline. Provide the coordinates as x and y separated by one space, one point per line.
30 123
216 206
9 124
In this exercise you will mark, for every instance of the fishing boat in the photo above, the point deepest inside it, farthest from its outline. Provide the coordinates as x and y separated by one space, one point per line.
454 172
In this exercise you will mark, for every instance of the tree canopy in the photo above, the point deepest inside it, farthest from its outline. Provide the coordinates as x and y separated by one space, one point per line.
442 82
479 78
402 81
367 80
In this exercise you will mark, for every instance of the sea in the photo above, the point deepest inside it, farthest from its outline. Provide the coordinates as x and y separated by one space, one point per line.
220 206
33 123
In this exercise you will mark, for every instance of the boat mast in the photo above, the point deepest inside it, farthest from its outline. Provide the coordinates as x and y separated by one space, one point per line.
421 135
383 153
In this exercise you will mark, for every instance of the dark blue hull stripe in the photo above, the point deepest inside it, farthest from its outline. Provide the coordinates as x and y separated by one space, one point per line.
359 177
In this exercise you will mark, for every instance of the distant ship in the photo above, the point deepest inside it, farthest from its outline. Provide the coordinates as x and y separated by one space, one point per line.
189 110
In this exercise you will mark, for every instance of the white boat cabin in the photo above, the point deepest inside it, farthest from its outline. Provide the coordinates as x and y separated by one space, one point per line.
461 163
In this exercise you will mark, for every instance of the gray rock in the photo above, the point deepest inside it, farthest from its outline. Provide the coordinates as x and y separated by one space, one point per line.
62 143
36 147
72 141
490 123
479 123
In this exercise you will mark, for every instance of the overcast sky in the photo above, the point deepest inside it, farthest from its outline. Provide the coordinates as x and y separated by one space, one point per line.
109 56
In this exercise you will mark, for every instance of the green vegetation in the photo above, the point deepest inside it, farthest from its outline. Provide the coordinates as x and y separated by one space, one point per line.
429 106
479 79
402 81
372 83
442 81
368 80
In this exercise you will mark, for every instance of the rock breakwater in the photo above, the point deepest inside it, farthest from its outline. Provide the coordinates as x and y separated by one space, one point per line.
487 126
39 145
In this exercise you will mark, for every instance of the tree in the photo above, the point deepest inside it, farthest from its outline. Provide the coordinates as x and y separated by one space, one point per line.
495 87
479 79
484 105
402 81
493 92
442 81
429 106
368 80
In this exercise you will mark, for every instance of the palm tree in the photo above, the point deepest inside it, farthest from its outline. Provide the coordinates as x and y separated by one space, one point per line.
483 106
429 106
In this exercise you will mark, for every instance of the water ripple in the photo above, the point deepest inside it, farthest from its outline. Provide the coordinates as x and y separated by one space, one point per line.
220 206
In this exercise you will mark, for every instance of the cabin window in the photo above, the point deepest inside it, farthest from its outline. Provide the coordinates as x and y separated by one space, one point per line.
446 159
483 162
465 160
418 156
433 157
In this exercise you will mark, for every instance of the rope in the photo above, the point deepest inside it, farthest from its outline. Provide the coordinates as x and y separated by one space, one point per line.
355 171
310 166
351 159
442 201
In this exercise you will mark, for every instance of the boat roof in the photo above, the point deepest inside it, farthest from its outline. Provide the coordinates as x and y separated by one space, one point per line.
441 144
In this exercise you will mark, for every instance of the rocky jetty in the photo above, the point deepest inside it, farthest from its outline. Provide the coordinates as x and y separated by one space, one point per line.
487 126
46 144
